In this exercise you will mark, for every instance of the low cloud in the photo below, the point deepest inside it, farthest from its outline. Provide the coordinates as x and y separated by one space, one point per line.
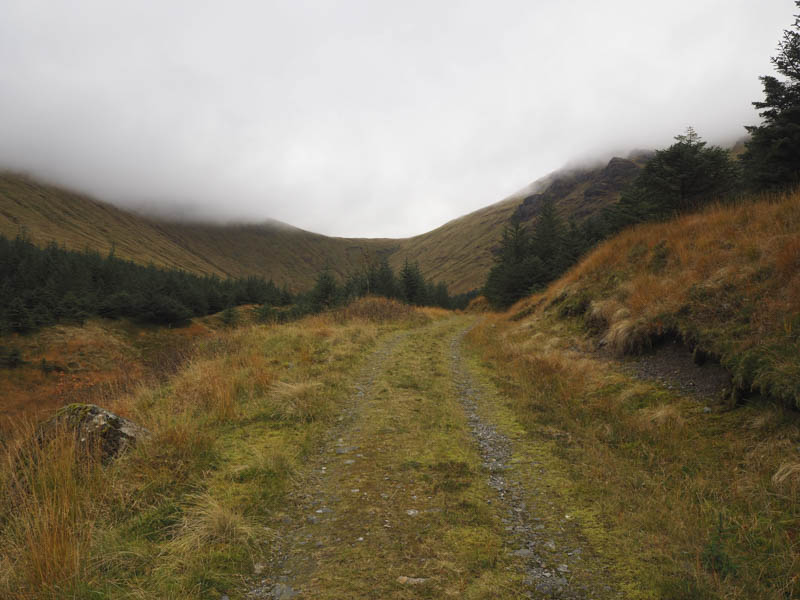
357 117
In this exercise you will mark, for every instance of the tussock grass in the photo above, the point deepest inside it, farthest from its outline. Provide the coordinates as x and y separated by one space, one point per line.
376 309
51 491
207 522
726 280
693 505
182 515
297 401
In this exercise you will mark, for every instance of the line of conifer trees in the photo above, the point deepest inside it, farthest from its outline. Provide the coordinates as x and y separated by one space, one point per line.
684 177
379 279
43 286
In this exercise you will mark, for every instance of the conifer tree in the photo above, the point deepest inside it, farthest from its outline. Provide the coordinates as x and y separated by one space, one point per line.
772 156
548 244
412 284
680 178
326 291
385 283
517 268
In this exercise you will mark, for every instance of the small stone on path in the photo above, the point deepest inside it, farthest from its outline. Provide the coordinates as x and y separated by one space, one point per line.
403 580
281 591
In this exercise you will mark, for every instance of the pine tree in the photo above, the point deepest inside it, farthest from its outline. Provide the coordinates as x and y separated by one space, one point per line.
516 269
680 178
548 242
772 156
412 284
326 291
385 283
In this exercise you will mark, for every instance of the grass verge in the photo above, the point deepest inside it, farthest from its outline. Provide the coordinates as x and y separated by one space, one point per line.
184 514
688 504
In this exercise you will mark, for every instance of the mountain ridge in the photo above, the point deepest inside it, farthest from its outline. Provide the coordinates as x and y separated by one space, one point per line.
458 253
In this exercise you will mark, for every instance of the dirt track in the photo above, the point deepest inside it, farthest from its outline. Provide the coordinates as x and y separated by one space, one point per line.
426 488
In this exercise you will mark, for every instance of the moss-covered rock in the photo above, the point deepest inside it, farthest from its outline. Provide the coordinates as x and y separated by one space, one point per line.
94 427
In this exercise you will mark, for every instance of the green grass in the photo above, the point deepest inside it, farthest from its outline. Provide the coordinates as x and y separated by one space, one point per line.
684 503
186 513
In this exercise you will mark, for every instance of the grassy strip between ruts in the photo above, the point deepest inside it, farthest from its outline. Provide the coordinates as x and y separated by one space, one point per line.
688 504
183 515
405 509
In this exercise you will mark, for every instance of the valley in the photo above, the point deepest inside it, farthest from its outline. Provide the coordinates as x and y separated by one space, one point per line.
459 253
629 431
586 389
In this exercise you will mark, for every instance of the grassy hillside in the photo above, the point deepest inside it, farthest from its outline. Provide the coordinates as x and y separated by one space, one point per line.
459 252
283 253
726 281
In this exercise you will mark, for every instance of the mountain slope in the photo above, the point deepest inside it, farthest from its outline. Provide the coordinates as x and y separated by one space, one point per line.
725 281
286 254
579 193
459 253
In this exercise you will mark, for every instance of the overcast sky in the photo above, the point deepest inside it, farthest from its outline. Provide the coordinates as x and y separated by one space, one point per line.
363 117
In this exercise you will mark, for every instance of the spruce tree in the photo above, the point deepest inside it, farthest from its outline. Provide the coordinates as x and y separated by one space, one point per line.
412 284
516 269
326 291
548 243
385 283
680 178
772 156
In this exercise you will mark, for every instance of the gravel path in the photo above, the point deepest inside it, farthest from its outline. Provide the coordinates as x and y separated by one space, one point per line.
546 564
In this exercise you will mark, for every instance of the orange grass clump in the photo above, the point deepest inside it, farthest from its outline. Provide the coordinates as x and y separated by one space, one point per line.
726 280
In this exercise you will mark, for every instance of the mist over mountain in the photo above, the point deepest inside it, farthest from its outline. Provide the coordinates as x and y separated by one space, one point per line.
362 119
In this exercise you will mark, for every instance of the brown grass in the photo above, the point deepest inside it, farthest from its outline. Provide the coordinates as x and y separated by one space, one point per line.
52 494
298 401
183 514
726 280
693 505
207 521
376 309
